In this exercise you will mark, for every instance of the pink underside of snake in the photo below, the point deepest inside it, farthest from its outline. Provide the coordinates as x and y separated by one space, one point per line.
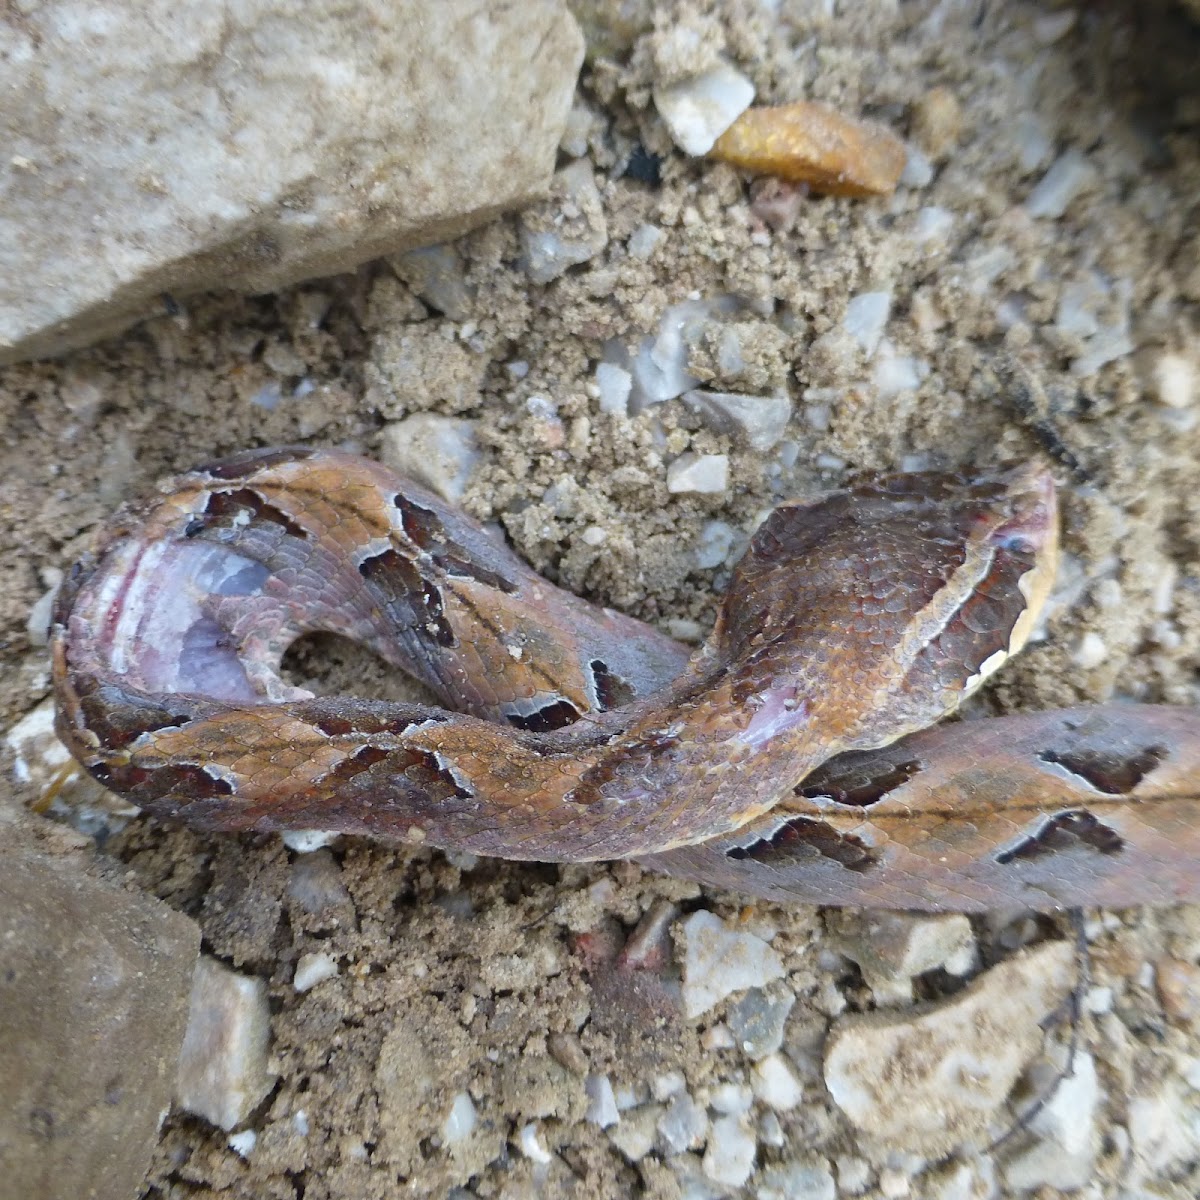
786 758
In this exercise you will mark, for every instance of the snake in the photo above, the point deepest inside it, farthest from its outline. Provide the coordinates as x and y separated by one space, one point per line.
806 751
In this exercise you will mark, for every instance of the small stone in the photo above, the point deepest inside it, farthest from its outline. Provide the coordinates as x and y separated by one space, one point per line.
243 1143
730 1098
853 1174
720 960
308 841
866 318
983 268
706 473
643 241
461 1121
222 1070
714 544
437 275
1064 1156
637 1133
918 170
684 1126
614 385
566 230
941 1075
894 1184
815 145
807 1179
37 624
697 110
312 969
531 1146
1174 379
757 1020
1090 651
895 373
602 1101
937 122
1178 986
729 1158
1067 177
438 451
776 1085
891 948
659 366
1162 1129
568 1052
668 1084
755 421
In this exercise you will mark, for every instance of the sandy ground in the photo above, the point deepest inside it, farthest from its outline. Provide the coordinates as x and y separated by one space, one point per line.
453 979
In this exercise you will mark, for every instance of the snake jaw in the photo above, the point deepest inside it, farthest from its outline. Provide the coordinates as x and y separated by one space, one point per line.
1035 524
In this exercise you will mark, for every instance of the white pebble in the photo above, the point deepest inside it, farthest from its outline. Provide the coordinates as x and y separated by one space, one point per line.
579 233
775 1084
1033 144
1174 380
594 535
614 384
602 1101
895 373
866 318
981 270
436 450
243 1143
1090 651
37 624
718 1036
757 421
643 241
533 1149
932 224
460 1122
918 170
1107 346
729 1158
731 1098
312 969
715 542
706 473
222 1071
306 841
698 110
684 1125
1054 192
720 960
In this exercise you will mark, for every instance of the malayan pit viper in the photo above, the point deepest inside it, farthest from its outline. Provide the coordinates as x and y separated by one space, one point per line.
783 758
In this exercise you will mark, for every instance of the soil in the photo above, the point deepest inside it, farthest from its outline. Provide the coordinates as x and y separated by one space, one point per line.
485 977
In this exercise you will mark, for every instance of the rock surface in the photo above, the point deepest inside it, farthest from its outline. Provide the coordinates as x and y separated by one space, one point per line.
934 1078
159 148
94 984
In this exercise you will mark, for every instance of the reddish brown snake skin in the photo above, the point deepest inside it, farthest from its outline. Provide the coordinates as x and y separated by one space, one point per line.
768 762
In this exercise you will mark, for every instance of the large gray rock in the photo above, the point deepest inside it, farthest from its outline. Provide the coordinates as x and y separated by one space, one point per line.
94 986
153 147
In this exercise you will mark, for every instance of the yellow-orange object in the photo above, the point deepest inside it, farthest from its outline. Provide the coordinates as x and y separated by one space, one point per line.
809 143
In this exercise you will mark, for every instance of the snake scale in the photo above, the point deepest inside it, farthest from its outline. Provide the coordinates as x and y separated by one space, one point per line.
788 757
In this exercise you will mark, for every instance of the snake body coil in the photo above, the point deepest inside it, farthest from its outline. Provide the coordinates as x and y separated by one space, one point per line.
578 733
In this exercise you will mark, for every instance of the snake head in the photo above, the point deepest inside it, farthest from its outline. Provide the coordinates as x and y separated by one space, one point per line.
890 602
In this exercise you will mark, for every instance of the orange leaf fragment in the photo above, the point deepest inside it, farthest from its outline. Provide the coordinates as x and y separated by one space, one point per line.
810 143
